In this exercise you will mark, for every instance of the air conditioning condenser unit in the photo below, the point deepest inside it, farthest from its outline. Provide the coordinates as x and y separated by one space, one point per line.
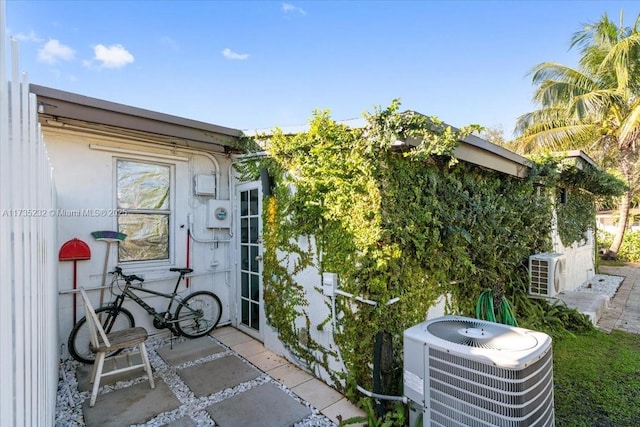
546 274
460 371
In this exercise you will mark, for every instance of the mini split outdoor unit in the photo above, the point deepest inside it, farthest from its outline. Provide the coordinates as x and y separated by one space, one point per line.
546 274
467 372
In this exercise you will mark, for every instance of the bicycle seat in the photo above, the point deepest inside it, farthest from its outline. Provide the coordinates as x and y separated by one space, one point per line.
182 270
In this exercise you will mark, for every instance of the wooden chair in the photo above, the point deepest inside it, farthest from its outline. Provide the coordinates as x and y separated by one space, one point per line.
104 343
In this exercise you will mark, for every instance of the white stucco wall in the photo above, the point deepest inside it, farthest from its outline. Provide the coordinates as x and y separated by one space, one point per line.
84 172
580 261
319 309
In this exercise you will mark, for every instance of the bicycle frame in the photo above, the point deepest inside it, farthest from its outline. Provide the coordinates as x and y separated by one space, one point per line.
127 292
194 315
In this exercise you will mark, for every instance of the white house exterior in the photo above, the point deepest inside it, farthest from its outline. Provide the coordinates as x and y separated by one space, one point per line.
93 144
93 147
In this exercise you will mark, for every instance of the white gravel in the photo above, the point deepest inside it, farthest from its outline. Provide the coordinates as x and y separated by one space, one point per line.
70 401
602 284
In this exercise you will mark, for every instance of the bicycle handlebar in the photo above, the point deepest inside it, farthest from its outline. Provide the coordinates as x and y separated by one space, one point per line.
128 278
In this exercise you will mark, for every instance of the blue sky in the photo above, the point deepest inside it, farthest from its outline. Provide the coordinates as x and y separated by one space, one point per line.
260 64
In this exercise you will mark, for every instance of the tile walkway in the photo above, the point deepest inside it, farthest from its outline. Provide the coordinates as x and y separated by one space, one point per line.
227 379
624 309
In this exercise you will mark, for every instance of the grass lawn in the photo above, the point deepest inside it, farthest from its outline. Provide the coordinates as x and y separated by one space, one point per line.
597 379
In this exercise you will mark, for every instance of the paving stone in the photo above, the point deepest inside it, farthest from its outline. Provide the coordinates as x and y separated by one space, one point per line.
344 410
290 375
210 377
267 360
189 350
318 393
130 405
233 338
249 348
264 405
83 373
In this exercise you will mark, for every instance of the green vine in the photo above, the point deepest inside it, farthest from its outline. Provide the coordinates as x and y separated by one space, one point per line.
575 216
393 223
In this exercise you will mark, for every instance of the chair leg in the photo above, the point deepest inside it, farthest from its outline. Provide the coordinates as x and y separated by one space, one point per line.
147 364
93 370
97 369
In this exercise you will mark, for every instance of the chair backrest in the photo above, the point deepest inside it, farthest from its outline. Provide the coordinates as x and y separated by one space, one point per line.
95 327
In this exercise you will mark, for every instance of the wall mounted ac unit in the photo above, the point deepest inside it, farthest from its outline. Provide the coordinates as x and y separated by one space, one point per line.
546 274
467 372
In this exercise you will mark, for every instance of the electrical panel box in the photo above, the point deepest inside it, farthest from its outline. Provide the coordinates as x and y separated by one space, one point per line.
218 213
329 284
205 185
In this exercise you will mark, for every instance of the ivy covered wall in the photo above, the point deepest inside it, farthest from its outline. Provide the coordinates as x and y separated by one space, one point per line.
392 223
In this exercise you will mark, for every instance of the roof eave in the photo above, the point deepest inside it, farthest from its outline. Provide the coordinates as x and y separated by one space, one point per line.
69 106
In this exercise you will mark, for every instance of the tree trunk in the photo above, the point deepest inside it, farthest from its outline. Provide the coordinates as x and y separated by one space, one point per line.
623 219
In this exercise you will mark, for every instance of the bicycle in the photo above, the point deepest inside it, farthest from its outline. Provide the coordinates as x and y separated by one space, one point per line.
195 316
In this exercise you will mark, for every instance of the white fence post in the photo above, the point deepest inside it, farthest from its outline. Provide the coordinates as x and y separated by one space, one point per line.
28 261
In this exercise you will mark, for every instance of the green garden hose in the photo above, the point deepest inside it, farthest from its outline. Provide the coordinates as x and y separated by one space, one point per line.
485 310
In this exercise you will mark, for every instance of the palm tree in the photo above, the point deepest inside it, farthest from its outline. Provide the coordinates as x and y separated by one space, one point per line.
595 107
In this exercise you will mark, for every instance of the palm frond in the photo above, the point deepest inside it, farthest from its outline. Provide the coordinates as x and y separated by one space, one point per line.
595 106
601 33
622 58
562 73
544 115
554 136
629 130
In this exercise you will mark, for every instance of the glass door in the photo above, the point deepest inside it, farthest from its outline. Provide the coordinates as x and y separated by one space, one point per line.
250 316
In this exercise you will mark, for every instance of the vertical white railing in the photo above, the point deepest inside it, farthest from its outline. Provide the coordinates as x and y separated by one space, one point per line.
28 290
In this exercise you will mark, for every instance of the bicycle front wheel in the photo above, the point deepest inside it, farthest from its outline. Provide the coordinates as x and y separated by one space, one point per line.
80 338
198 314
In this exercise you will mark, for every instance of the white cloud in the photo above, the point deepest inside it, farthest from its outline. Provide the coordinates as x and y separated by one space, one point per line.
288 7
53 50
30 37
229 54
115 56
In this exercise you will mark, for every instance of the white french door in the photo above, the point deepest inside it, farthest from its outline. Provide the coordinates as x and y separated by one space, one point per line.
250 310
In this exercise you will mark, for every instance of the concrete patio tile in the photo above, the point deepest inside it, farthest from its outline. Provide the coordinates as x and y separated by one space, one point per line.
83 373
223 330
233 338
343 410
264 405
249 348
130 405
317 393
290 375
210 377
188 350
267 360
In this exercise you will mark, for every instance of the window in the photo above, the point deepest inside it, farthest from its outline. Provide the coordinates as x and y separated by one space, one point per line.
144 202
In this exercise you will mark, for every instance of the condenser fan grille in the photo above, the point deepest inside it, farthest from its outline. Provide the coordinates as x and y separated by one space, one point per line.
487 335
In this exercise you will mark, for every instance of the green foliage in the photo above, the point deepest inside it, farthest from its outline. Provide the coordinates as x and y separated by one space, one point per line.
555 319
575 216
396 417
592 179
596 379
630 249
392 223
583 183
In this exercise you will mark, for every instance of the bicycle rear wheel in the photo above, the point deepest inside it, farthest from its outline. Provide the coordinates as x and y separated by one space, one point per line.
198 314
80 339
